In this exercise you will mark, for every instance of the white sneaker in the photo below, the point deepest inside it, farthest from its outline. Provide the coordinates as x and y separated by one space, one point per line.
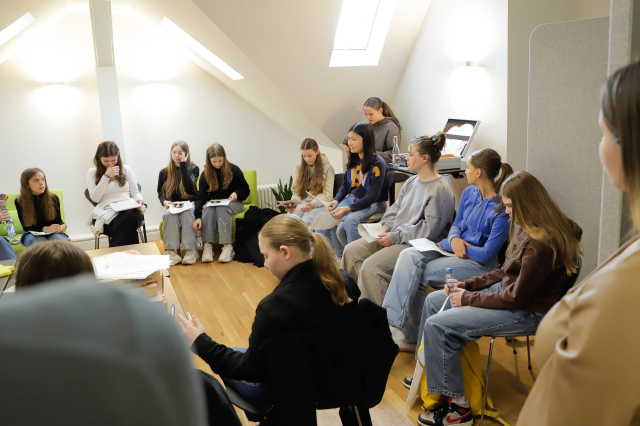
207 253
174 257
190 257
227 254
398 338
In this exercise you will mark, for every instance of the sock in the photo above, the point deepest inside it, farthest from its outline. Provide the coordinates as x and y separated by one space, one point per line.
461 400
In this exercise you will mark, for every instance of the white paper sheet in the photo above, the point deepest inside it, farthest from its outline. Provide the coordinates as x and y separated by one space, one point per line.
294 201
323 202
115 265
323 220
125 205
40 233
217 203
370 231
422 244
180 207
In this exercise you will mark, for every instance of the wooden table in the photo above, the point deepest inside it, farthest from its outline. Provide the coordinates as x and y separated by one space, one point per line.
147 249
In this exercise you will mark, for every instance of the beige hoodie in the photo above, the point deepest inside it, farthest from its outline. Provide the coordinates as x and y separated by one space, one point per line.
328 176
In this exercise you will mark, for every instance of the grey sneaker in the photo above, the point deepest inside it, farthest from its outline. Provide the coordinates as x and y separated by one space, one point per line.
173 256
227 254
190 257
398 338
207 253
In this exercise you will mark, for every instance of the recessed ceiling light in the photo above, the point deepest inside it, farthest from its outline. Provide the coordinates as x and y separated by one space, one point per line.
14 29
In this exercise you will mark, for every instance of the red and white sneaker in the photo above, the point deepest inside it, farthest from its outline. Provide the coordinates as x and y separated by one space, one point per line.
453 413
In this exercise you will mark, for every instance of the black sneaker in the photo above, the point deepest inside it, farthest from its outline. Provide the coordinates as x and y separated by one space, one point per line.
407 382
452 413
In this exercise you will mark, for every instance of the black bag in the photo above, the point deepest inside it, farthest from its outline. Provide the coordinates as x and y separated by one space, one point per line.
246 246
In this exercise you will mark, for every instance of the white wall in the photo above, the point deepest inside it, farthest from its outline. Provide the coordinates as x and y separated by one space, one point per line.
191 105
433 89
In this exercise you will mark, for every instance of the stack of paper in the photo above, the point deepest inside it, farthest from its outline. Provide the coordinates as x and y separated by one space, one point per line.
370 231
323 202
120 266
422 244
5 270
217 203
125 205
180 207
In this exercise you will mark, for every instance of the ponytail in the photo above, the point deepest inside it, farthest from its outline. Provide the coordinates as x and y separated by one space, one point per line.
328 270
505 171
291 231
377 103
490 162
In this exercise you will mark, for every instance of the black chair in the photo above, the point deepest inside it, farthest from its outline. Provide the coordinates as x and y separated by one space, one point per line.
337 183
344 367
142 231
512 336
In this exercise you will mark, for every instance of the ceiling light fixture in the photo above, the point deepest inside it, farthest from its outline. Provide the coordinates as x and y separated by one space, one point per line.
14 29
181 35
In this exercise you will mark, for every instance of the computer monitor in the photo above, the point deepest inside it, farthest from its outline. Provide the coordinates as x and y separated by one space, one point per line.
459 134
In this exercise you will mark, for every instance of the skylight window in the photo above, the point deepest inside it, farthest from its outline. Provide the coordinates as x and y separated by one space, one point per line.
14 29
182 35
362 30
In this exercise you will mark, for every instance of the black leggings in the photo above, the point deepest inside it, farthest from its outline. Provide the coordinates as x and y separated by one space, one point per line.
123 229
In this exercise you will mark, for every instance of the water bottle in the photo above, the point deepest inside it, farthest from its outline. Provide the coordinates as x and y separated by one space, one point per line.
199 239
2 207
11 230
397 156
450 280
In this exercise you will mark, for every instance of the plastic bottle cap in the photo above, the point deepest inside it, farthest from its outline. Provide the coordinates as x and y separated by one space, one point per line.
449 270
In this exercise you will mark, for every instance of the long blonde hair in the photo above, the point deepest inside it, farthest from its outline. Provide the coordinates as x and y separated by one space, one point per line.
306 180
288 230
620 105
217 150
540 217
173 173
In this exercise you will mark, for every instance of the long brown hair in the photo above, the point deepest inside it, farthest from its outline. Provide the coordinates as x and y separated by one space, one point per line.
173 173
288 230
377 103
217 150
620 107
540 217
431 146
108 149
47 205
307 180
51 260
490 162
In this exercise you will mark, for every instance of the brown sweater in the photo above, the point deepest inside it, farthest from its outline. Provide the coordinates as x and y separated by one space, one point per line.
529 280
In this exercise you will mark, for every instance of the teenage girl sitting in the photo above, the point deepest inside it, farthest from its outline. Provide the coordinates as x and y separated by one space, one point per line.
221 180
360 195
38 209
315 175
177 182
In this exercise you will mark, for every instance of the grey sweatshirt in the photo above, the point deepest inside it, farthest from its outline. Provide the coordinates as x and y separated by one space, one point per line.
384 131
423 210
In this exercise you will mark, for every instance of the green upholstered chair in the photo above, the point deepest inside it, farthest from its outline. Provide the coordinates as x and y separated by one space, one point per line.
11 207
252 200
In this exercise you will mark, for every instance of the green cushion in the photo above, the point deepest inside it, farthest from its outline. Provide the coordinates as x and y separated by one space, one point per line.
11 207
252 200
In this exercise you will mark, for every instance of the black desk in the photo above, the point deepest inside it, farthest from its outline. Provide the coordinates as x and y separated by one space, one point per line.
455 173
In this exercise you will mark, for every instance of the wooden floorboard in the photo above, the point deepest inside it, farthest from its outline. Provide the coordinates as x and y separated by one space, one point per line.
225 296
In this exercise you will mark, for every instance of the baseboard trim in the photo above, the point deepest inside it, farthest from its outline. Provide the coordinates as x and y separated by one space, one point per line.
87 241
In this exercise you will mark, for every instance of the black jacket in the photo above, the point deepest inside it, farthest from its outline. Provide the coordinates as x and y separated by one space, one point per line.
238 185
188 176
299 303
39 226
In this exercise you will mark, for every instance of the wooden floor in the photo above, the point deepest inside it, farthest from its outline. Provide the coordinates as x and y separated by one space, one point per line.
225 296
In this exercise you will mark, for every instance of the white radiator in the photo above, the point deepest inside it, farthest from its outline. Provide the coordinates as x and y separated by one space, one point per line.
266 199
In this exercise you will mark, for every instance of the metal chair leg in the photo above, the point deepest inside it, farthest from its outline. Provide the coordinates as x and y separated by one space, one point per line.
513 341
529 353
486 384
97 242
144 229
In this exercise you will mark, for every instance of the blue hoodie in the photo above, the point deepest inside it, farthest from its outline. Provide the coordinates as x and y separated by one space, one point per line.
366 188
477 223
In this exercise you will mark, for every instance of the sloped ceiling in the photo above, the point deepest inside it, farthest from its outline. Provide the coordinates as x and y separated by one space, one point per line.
281 47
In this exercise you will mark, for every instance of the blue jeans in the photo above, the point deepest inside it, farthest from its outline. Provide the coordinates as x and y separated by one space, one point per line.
347 231
256 394
413 272
28 238
445 334
308 216
6 252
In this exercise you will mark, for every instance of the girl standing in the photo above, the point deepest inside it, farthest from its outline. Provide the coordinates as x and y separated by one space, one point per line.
110 182
385 127
220 180
38 209
425 209
315 175
360 195
177 182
